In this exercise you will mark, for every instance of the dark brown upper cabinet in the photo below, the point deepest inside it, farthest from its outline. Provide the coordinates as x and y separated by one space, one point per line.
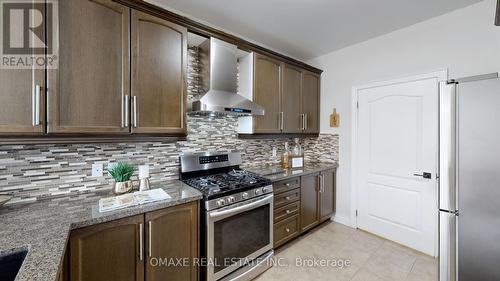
267 93
159 62
291 99
22 102
310 102
22 98
88 93
290 96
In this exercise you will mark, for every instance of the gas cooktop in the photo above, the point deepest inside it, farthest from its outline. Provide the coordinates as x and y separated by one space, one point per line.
226 183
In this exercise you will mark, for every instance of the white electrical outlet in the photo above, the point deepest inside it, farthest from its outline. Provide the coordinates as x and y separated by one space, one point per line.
97 169
143 171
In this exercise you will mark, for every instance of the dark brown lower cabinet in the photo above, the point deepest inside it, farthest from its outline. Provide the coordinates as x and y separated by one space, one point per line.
108 251
286 230
327 196
172 235
301 203
309 201
317 198
286 210
130 249
63 274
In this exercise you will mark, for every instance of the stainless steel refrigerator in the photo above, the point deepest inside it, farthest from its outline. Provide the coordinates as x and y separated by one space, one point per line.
469 179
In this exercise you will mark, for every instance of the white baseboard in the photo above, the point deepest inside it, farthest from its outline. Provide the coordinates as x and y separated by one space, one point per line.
342 220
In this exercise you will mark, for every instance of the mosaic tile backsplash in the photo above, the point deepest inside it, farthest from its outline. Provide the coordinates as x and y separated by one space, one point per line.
33 172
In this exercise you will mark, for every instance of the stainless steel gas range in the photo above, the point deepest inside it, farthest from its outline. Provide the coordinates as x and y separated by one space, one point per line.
237 216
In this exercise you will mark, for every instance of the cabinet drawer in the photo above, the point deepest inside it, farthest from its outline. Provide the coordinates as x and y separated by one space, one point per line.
286 230
285 185
286 211
286 198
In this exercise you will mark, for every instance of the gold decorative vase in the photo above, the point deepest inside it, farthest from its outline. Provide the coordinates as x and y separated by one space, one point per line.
123 187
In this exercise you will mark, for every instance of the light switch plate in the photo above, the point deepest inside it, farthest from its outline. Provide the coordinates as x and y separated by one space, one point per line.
97 170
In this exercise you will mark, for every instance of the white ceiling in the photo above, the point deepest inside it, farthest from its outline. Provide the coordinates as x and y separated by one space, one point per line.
306 29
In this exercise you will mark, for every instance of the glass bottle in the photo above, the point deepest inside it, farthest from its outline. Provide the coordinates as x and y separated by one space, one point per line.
297 149
285 157
275 159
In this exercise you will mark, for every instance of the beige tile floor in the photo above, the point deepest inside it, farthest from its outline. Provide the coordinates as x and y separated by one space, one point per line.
372 258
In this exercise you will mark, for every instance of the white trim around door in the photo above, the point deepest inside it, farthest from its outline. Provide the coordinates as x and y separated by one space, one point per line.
440 75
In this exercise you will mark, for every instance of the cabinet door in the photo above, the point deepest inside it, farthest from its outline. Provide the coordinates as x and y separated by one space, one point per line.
108 251
309 201
22 101
310 101
87 92
267 93
159 61
172 233
291 99
327 202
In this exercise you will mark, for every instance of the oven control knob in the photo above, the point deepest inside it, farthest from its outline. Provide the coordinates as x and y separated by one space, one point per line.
244 195
265 189
221 202
258 191
230 199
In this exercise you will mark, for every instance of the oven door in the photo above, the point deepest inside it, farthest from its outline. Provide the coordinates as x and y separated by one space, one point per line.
238 234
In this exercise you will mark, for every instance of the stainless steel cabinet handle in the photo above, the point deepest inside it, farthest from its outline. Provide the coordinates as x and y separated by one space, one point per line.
322 183
287 184
141 242
288 198
135 111
305 121
288 211
150 236
126 111
287 230
36 105
282 120
302 120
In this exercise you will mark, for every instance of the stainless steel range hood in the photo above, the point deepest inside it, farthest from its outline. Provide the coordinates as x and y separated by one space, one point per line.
219 70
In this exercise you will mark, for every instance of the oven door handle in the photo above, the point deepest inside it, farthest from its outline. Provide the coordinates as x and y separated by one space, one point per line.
231 211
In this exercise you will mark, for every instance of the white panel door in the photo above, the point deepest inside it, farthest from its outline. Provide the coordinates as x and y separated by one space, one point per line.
397 138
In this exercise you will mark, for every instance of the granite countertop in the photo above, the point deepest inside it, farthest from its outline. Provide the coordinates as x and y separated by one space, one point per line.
276 173
44 227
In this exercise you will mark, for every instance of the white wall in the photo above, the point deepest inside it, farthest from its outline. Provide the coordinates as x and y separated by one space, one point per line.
466 42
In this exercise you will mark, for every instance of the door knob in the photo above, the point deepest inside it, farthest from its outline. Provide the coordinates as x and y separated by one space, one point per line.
425 175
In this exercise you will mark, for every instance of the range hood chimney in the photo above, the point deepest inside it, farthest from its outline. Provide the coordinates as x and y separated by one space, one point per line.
219 70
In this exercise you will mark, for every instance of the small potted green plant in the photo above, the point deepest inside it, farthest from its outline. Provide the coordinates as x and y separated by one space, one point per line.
122 172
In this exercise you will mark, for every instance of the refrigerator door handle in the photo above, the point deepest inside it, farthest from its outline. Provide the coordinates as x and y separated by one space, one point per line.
447 246
447 146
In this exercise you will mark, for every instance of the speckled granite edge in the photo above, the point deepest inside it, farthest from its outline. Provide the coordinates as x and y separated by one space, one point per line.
309 168
44 227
